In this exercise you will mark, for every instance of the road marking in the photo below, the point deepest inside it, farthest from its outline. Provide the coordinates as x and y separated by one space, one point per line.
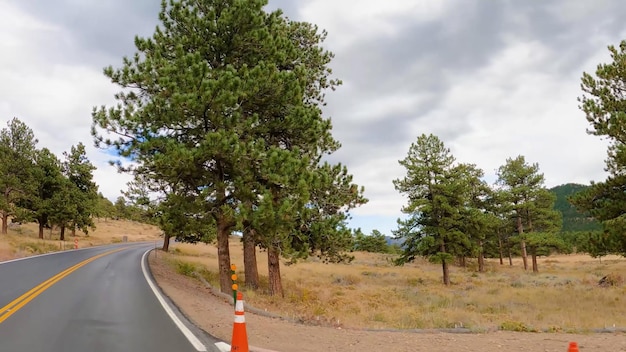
21 301
222 346
199 346
68 251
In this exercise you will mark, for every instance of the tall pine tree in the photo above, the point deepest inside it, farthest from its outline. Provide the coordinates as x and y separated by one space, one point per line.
224 100
604 104
84 193
17 155
436 195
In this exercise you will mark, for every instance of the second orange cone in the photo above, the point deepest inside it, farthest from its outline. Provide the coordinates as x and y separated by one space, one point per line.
239 342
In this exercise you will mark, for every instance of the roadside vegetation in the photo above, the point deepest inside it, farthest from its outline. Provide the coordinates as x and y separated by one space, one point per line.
372 292
23 240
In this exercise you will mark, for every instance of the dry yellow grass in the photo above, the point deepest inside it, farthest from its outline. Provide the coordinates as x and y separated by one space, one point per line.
23 240
372 293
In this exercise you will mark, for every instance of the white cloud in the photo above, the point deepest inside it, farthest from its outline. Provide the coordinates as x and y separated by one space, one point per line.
377 175
20 36
53 98
378 109
515 106
351 22
490 87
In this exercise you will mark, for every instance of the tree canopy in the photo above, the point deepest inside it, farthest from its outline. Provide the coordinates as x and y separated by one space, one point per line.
604 104
36 186
437 191
224 101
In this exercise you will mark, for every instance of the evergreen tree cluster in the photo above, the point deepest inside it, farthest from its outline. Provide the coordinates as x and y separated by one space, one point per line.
452 213
220 111
36 186
376 242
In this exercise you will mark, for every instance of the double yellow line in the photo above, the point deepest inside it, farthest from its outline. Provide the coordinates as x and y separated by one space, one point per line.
21 301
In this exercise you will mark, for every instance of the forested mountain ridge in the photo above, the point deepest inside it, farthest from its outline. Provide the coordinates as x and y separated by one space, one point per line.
573 220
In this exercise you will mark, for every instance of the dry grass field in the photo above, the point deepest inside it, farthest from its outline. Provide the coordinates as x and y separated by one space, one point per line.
22 240
372 293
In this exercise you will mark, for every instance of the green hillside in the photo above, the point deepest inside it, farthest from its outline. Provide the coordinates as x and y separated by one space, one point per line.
572 219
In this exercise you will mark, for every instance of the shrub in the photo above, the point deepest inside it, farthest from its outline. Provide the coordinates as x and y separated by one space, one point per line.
185 268
515 326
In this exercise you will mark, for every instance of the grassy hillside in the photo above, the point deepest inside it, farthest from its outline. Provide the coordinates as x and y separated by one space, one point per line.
573 220
22 240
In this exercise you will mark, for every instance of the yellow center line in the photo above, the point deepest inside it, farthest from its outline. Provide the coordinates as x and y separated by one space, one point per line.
21 301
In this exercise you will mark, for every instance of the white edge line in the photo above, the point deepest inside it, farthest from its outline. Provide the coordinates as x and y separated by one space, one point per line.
184 329
223 346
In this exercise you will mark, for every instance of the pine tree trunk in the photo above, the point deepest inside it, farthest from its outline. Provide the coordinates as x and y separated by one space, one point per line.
166 242
223 254
249 258
446 272
535 267
510 257
481 258
444 266
501 250
524 255
5 222
273 265
62 236
73 230
520 231
41 230
534 255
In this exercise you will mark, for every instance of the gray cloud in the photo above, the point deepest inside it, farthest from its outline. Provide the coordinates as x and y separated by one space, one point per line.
427 59
446 74
101 30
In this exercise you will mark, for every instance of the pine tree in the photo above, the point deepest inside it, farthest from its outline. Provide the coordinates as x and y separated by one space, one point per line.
79 171
49 182
475 220
436 195
521 183
604 105
524 192
17 154
499 216
65 205
296 130
223 99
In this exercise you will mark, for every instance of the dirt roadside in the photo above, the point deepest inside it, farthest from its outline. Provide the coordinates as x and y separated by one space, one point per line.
215 315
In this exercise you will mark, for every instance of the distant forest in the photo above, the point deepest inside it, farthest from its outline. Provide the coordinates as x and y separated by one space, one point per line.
573 220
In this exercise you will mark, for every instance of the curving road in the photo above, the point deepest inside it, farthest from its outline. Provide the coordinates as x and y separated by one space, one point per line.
94 299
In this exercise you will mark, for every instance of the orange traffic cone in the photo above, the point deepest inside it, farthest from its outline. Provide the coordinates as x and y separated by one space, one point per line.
240 337
573 347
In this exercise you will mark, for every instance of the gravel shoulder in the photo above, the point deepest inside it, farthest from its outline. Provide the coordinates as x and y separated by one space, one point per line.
214 314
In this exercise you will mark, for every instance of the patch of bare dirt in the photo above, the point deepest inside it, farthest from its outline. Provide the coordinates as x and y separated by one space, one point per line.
215 315
6 254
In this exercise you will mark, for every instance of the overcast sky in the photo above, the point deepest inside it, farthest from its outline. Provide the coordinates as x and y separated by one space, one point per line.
492 79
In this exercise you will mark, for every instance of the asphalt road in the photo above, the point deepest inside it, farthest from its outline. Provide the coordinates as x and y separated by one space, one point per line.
96 299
